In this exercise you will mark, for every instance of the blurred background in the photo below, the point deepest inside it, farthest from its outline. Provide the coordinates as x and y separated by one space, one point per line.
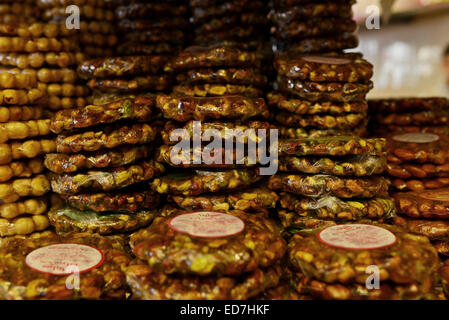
407 49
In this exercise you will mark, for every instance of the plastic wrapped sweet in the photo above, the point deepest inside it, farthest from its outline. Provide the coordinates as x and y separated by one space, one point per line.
327 185
345 121
211 158
423 118
207 108
415 170
242 76
342 254
303 107
284 291
228 244
333 208
336 43
213 90
64 163
332 146
314 28
400 105
423 204
129 85
417 147
385 130
112 179
69 219
202 181
147 284
236 33
175 36
140 108
132 25
312 133
201 14
355 291
12 191
246 132
107 137
419 184
121 201
322 68
328 91
24 277
358 166
204 57
25 149
432 229
245 19
21 169
253 199
145 10
132 48
311 10
292 222
121 66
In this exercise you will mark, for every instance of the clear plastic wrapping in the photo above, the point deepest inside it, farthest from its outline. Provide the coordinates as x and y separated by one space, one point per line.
113 179
147 284
69 219
397 262
258 245
358 166
321 185
209 108
202 181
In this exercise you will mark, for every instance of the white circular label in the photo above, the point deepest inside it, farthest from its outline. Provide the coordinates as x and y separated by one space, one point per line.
326 60
357 236
416 137
64 258
205 224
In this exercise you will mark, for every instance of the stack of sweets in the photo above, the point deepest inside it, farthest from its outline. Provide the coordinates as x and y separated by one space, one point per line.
417 134
408 115
214 178
24 129
306 27
113 78
156 27
327 181
19 11
95 25
206 256
340 262
238 23
59 80
425 213
29 274
321 95
105 154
